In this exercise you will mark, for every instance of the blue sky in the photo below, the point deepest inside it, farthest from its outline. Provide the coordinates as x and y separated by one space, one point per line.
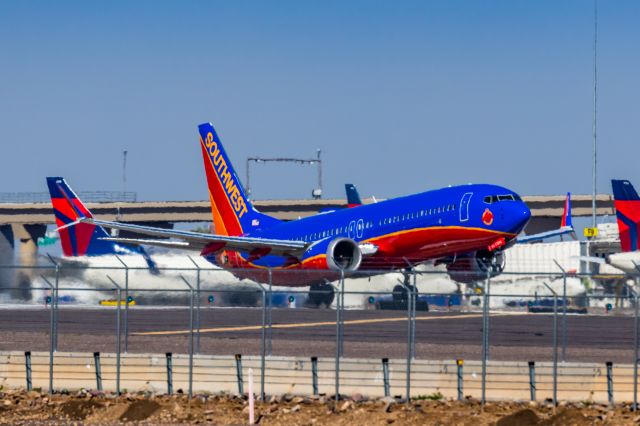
400 96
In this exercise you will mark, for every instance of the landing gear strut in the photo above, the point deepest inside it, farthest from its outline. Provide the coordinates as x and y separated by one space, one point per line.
321 293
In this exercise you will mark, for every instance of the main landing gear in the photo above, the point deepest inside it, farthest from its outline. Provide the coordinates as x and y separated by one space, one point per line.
321 294
400 295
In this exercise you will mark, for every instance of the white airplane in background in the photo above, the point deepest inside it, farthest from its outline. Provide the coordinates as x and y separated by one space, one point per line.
627 204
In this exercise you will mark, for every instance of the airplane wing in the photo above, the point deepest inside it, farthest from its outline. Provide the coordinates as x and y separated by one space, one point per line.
566 227
198 241
564 230
591 259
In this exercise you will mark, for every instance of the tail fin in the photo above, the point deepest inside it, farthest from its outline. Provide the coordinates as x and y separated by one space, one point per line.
353 198
233 213
566 215
77 239
627 205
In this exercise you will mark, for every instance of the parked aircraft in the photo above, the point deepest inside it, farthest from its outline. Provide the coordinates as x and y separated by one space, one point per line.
468 225
82 241
627 204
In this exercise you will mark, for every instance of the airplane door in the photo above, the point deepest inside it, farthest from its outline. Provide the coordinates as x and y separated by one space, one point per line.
360 228
464 206
352 229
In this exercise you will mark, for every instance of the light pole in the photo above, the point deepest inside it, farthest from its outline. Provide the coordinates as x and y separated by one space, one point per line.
595 111
315 193
124 172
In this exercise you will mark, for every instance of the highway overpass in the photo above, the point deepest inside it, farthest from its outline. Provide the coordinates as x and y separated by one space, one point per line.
543 207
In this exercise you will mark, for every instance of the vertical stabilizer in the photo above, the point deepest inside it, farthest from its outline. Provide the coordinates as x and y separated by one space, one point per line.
627 205
233 213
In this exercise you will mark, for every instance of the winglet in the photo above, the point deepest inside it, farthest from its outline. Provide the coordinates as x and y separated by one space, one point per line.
353 198
566 215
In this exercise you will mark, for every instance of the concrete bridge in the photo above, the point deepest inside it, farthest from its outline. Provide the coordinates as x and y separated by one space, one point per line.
542 208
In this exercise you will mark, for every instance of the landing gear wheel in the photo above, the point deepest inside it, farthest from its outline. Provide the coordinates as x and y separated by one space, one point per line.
400 294
320 294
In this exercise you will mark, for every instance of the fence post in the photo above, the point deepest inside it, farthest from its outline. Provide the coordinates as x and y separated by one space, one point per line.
269 317
56 309
190 335
532 380
413 314
555 344
239 374
385 376
54 303
555 350
263 341
169 374
339 307
27 367
485 335
635 346
410 300
51 332
460 363
314 374
564 310
126 306
96 360
118 332
610 382
635 356
197 350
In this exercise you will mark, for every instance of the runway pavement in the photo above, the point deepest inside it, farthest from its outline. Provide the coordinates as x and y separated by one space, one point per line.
312 332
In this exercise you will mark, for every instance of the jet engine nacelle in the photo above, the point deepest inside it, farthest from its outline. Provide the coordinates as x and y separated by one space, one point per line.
343 254
474 267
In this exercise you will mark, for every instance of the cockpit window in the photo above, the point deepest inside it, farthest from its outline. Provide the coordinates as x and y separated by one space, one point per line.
490 199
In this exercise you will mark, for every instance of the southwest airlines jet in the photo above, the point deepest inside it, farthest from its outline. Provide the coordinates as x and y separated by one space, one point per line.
467 227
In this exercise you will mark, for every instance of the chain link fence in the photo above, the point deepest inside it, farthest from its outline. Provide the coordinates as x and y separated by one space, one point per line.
411 333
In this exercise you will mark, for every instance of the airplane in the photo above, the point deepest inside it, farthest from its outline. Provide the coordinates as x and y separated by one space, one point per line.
81 241
475 222
627 204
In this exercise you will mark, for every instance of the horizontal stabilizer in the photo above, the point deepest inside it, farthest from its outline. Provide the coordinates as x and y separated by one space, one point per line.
591 259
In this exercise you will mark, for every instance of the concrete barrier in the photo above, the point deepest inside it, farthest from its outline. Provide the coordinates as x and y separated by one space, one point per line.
140 372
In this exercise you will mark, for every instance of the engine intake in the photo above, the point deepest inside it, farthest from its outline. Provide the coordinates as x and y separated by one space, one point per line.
343 254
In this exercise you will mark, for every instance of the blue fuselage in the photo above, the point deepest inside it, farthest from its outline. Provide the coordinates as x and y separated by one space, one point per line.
434 224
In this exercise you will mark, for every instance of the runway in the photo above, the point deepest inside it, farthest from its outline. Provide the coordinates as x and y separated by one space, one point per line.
368 333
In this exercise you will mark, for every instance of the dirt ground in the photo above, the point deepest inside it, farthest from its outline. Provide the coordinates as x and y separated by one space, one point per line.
89 408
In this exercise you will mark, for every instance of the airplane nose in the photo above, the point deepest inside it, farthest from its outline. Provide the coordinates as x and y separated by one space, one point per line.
526 214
